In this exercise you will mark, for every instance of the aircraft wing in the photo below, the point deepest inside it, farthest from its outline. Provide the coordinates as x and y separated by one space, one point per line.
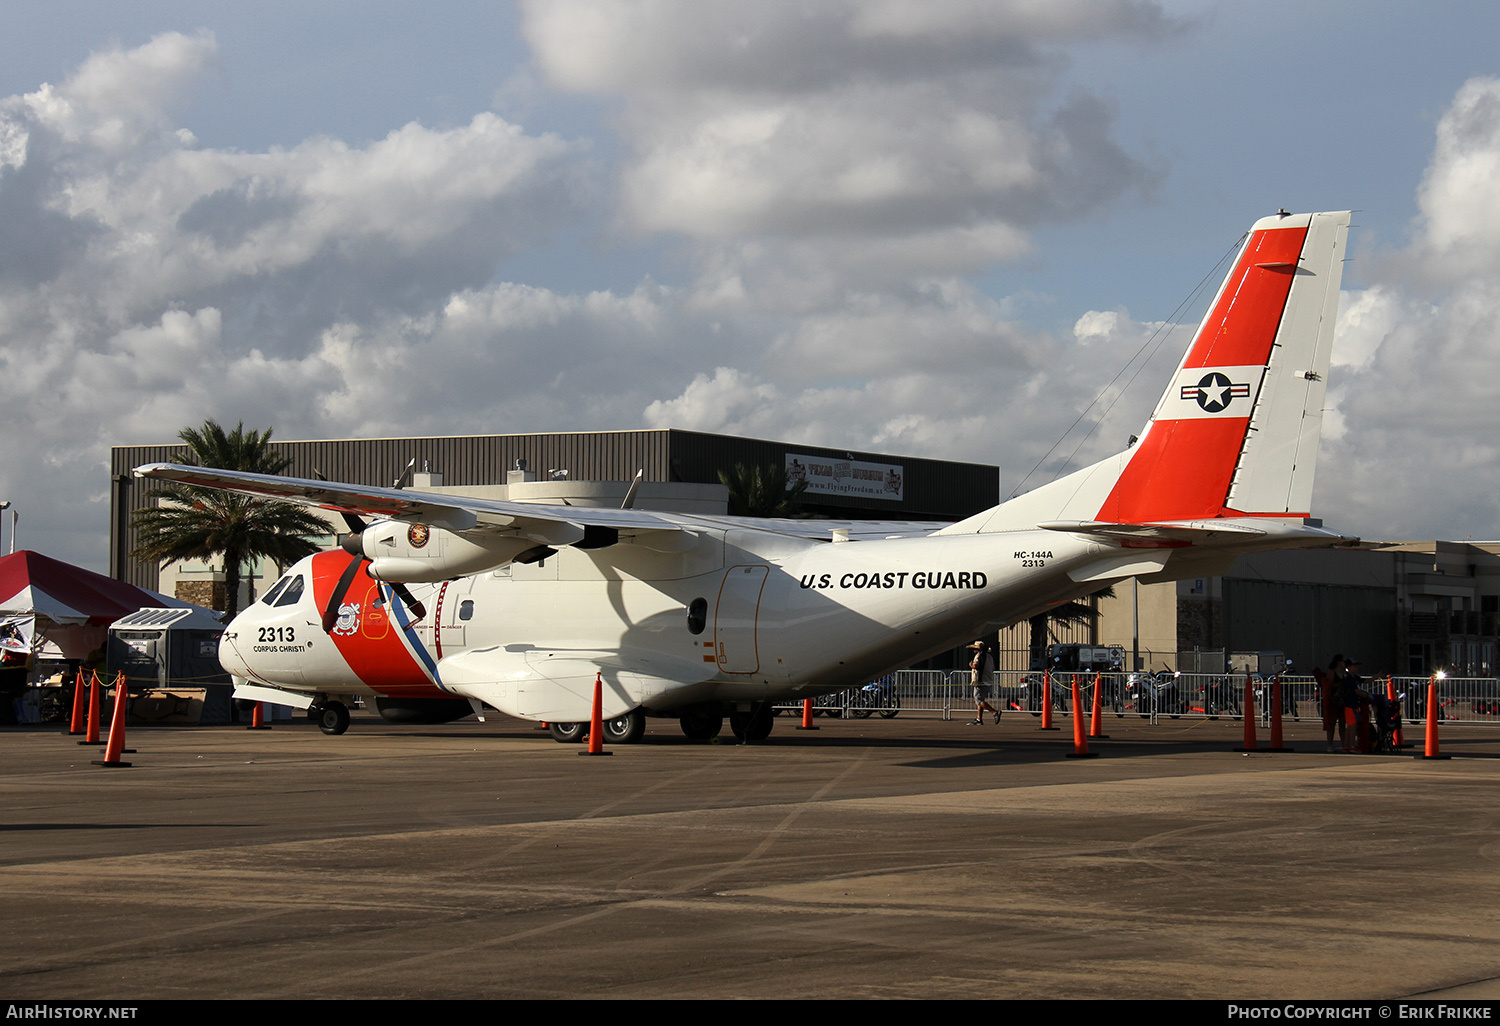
450 512
464 513
827 530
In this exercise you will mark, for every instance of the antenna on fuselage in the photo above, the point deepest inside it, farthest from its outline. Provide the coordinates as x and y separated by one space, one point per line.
405 474
635 486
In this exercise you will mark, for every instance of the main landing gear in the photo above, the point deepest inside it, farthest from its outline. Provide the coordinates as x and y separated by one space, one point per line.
705 724
701 726
754 725
332 718
622 730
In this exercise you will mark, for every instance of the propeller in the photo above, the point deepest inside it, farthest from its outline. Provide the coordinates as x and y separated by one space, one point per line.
353 545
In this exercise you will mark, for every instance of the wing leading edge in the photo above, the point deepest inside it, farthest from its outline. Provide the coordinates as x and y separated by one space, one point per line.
449 512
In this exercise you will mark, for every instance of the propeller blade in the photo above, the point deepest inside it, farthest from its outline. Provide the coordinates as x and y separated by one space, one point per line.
331 613
419 610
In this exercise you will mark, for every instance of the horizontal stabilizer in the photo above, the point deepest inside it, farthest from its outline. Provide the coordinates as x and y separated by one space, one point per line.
1225 533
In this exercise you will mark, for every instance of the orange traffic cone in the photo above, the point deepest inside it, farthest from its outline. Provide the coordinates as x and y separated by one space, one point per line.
91 731
1080 743
1249 745
116 727
1431 749
75 722
1096 717
596 720
1046 701
807 717
1276 745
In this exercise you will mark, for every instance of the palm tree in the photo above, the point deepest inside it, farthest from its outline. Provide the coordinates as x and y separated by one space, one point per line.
201 523
1043 625
761 491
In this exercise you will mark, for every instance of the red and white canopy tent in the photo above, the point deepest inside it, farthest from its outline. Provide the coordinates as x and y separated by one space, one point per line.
46 600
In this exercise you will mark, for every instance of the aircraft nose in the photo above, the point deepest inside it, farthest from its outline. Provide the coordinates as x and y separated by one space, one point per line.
229 655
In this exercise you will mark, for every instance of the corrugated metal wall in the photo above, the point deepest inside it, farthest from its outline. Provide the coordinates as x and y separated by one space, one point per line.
935 489
1310 622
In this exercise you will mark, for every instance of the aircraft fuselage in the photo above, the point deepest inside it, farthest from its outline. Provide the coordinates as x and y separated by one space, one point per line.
741 615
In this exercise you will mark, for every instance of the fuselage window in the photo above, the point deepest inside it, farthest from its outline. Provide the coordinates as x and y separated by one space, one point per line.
466 609
697 615
292 594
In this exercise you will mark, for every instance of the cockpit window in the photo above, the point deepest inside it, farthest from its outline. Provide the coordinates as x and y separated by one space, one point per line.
292 593
276 589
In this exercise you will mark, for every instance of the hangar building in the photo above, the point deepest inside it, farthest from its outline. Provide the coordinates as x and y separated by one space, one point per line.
681 473
1404 608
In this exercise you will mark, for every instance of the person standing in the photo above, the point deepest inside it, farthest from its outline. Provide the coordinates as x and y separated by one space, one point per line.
982 676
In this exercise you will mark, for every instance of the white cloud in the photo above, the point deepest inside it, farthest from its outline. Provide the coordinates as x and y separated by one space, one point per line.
851 138
836 168
147 282
1416 436
832 170
1460 232
119 100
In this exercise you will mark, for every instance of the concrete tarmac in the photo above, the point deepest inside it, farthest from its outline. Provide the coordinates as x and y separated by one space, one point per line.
872 858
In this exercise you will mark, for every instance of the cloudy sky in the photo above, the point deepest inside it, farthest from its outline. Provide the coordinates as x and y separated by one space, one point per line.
937 228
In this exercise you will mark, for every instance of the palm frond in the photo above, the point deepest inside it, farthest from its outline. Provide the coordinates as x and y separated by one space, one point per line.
761 491
201 523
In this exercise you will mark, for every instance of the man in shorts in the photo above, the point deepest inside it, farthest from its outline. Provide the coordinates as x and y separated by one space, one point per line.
982 676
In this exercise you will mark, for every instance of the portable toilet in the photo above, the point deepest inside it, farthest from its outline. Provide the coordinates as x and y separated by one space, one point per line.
175 654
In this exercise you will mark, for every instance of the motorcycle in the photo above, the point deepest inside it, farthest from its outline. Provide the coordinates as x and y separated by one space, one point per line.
877 696
1155 693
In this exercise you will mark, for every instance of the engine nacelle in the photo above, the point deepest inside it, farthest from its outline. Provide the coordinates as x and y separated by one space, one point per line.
416 553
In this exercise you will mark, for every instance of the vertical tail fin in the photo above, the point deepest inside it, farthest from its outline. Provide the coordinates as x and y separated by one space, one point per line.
1236 432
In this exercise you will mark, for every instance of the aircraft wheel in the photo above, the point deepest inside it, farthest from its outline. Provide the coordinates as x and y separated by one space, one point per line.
625 730
701 726
754 725
568 733
333 718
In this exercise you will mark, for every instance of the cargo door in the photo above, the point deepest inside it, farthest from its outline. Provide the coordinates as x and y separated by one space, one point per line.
736 617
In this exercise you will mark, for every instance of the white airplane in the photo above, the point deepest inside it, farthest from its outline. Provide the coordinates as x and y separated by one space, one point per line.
517 606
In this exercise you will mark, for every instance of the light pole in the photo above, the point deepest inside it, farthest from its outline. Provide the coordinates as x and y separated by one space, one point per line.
14 516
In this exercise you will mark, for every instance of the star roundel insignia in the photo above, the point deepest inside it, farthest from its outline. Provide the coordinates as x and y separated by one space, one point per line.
417 535
1214 392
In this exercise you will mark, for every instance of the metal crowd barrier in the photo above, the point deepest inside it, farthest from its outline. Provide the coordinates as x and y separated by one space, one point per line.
949 694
